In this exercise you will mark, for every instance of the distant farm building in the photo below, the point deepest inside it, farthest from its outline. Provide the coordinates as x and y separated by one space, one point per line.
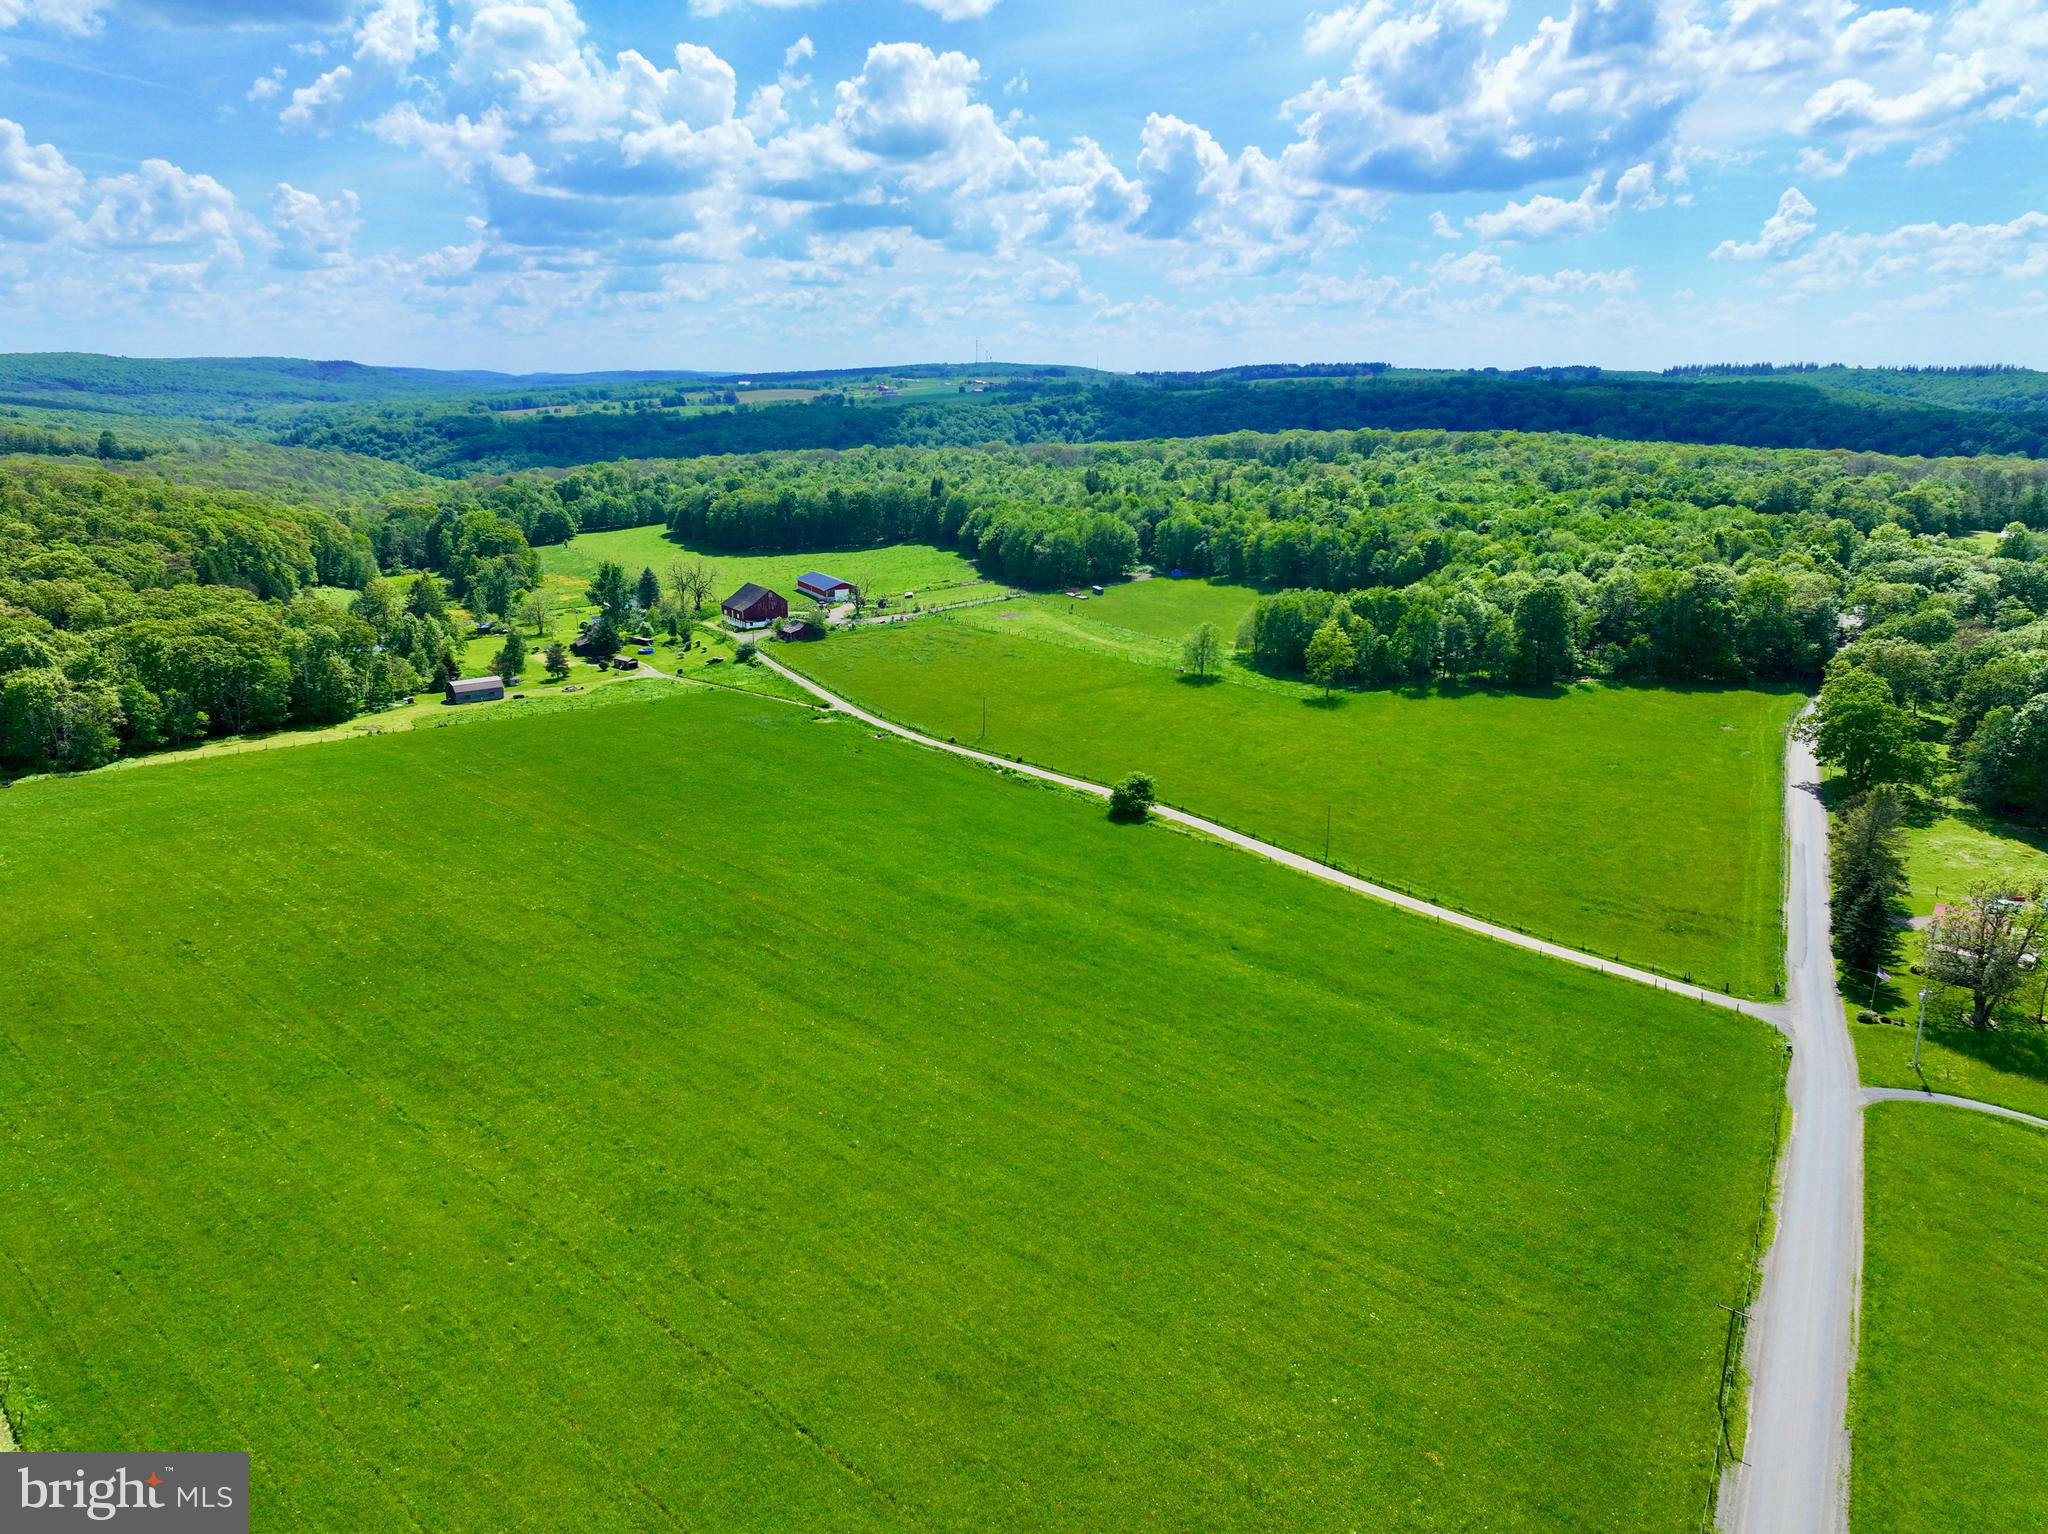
792 628
475 689
753 607
824 588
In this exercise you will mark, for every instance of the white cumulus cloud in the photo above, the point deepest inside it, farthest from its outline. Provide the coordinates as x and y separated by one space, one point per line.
1783 232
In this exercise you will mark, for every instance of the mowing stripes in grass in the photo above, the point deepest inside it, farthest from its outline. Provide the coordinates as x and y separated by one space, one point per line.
1639 823
701 1113
1950 1429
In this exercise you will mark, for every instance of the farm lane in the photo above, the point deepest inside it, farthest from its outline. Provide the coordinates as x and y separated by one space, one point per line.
1794 1474
1794 1477
1776 1016
1945 1100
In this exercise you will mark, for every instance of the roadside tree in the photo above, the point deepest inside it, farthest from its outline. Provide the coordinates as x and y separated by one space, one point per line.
1132 798
557 661
1861 730
1869 873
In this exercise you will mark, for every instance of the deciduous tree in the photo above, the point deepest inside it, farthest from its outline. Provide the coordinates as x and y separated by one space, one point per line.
1330 656
1132 797
1202 653
1860 730
1982 946
610 594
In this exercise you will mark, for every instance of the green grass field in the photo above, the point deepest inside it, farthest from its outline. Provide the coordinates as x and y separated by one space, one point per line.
1637 822
704 1114
886 571
1949 1423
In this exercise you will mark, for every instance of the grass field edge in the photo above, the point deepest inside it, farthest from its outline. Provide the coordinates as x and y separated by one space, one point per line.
1760 994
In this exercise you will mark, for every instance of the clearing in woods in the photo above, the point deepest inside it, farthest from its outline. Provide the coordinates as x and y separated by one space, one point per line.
1633 822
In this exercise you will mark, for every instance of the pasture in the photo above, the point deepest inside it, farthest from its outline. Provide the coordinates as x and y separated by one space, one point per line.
1637 822
890 571
1949 1424
555 1124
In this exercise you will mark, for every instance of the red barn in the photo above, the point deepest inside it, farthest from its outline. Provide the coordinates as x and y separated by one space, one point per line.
753 607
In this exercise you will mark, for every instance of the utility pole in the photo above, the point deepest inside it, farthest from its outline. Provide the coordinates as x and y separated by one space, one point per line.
1919 1029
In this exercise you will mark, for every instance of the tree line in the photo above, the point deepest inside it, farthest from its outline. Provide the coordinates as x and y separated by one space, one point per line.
1777 411
1484 558
136 613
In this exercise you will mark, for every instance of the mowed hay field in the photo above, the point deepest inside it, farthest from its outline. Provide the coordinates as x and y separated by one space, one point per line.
700 1113
1633 822
888 571
1949 1423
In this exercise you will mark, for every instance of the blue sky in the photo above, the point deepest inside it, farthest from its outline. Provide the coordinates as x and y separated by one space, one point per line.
547 184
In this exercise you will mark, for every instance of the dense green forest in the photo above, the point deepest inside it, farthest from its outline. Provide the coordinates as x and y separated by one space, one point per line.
1956 388
239 387
1766 412
18 436
144 603
137 613
1489 558
455 423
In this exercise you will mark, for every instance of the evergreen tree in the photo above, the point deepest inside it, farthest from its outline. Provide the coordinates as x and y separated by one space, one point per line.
1869 873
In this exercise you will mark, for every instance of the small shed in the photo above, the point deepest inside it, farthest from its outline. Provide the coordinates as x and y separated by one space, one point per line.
824 588
475 689
792 628
753 607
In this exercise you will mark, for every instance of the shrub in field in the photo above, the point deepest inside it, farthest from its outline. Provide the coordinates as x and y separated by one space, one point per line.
1131 798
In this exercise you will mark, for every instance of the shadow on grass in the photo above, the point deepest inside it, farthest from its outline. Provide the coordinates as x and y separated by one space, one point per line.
2004 830
1210 680
2017 1049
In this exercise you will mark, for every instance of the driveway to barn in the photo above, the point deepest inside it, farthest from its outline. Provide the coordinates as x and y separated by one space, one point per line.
1773 1015
1801 1346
